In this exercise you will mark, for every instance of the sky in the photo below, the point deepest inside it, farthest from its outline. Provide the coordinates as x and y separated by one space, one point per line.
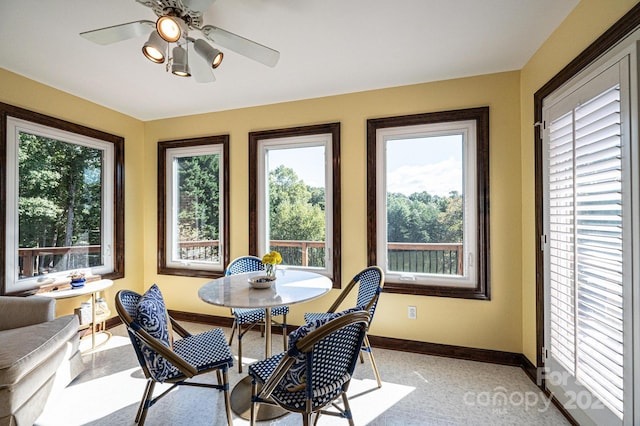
431 164
307 162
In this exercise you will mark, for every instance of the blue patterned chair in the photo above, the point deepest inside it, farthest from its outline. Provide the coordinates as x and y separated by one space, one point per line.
315 371
165 360
248 318
370 282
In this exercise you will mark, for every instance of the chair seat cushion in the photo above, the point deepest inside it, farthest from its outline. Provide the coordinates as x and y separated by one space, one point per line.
205 351
249 316
262 370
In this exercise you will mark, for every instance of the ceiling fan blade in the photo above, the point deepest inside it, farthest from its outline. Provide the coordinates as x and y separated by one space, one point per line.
198 5
120 32
252 50
200 70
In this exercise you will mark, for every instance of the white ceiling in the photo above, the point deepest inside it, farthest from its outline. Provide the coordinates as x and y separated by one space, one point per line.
327 47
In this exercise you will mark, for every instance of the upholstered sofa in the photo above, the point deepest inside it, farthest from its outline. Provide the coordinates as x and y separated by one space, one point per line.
38 354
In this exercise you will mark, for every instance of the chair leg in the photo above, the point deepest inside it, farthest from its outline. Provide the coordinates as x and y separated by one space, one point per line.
239 350
233 331
144 404
347 409
227 400
373 360
306 419
284 331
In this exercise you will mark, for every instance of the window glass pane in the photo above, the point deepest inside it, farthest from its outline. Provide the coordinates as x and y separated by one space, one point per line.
197 195
425 192
193 207
428 202
59 206
297 198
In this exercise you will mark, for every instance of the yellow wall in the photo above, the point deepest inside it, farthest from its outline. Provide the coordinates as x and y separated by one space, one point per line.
584 25
21 92
506 323
495 324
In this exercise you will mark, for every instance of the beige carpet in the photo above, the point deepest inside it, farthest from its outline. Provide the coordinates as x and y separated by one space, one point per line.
416 390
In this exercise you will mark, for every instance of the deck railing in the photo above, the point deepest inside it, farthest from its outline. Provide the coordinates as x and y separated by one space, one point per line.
41 260
432 258
403 257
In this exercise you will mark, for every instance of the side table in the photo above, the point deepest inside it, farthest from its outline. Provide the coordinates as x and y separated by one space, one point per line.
93 288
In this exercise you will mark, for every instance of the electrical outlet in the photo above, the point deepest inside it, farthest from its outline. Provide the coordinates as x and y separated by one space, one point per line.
412 312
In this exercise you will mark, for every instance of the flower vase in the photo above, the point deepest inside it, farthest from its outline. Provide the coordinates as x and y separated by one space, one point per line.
77 282
270 270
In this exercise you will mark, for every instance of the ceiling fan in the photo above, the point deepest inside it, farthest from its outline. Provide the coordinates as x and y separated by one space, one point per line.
176 19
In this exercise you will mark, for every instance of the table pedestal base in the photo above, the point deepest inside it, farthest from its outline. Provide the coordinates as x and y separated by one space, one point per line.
241 403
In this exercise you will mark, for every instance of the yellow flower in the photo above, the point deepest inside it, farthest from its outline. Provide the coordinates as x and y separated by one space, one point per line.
273 258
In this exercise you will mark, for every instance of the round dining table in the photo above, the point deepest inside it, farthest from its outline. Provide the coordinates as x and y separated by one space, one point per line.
234 291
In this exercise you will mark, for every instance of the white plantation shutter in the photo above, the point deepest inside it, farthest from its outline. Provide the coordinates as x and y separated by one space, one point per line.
561 237
598 236
585 232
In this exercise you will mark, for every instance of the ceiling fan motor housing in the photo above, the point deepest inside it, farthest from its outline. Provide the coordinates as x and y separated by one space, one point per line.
188 10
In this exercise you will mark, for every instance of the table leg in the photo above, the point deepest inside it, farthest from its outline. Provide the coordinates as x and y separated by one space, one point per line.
267 326
241 393
94 300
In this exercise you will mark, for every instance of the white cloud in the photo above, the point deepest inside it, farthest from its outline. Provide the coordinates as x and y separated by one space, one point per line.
437 179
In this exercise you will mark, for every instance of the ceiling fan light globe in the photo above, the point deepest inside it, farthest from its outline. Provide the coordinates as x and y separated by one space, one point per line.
180 64
209 53
153 54
182 73
154 48
170 28
217 60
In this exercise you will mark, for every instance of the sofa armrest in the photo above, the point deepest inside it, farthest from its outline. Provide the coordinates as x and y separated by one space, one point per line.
23 311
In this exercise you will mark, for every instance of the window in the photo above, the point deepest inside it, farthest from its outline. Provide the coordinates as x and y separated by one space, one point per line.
294 195
587 263
193 206
427 202
589 218
64 192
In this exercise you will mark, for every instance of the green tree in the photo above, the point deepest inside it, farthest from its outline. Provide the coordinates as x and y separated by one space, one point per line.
423 218
296 211
198 186
59 193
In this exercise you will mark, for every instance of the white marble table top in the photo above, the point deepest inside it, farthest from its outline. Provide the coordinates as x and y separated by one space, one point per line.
291 286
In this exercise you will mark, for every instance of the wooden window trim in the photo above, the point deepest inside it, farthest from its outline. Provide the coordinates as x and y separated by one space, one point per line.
481 115
163 146
254 137
7 110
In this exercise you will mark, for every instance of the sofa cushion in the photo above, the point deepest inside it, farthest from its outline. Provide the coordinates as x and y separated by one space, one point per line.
18 312
25 348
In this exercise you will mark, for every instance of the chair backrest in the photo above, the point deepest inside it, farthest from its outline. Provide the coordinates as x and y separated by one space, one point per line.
321 358
126 303
157 360
370 282
244 264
